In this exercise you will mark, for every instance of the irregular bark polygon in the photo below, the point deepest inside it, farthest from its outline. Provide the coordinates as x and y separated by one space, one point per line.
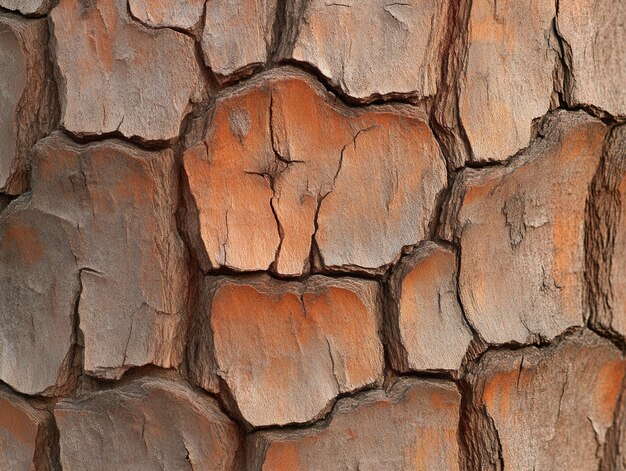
27 7
284 165
133 276
428 330
606 239
39 286
286 350
26 437
591 31
148 424
507 82
95 239
521 230
182 14
540 398
237 35
411 425
118 76
28 106
374 48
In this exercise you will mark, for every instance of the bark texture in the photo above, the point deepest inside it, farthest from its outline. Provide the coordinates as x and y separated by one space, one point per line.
289 235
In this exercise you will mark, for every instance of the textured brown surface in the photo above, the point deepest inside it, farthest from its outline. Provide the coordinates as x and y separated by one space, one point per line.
374 48
147 424
133 275
117 76
280 164
27 7
591 31
324 235
508 79
412 425
286 350
552 407
427 327
26 435
237 35
28 109
183 14
527 282
96 236
606 238
39 282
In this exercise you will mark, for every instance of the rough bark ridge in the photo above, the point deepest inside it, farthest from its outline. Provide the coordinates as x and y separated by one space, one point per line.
249 235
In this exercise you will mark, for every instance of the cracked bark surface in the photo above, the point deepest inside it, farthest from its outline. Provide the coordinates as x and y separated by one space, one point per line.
428 330
149 423
294 345
26 435
528 282
181 14
312 235
28 108
606 242
237 36
302 159
133 276
507 81
38 279
375 48
595 66
539 399
151 76
96 235
28 7
415 419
